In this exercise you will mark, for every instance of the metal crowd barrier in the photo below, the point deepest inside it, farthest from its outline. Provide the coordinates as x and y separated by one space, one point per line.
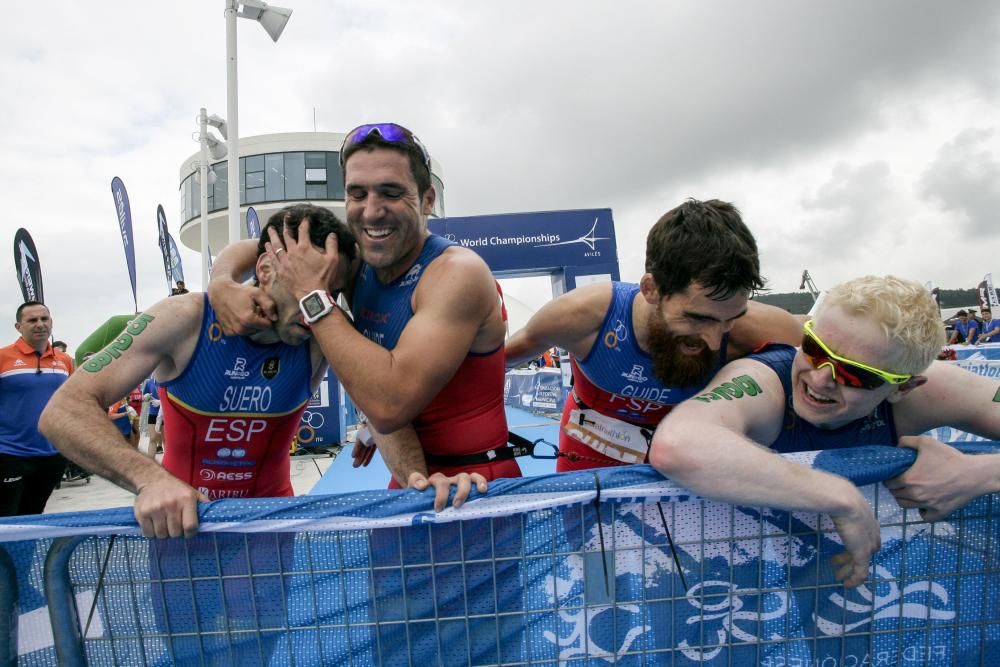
612 581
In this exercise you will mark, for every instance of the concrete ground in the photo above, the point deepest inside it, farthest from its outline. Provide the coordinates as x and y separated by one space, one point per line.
99 493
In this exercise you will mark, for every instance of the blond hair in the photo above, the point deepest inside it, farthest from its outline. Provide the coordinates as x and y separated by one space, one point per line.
904 309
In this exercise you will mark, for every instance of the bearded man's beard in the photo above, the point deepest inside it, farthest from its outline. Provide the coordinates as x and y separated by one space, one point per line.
670 364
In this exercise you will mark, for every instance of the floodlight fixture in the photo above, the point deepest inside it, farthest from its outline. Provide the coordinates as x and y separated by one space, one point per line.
219 123
216 148
272 19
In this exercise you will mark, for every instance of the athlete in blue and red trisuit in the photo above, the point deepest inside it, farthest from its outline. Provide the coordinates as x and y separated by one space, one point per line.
232 403
638 350
427 348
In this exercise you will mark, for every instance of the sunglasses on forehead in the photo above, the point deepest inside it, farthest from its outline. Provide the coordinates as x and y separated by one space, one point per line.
389 133
845 371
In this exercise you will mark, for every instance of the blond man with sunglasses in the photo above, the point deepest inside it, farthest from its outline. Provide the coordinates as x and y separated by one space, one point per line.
865 374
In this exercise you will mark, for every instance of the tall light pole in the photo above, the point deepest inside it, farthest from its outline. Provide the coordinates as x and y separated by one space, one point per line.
273 20
208 145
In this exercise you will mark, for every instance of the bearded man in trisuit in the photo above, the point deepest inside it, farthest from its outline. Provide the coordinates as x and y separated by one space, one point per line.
637 350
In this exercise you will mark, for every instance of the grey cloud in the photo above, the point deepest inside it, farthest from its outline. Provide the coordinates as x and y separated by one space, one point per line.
579 104
854 190
856 204
965 178
526 105
568 102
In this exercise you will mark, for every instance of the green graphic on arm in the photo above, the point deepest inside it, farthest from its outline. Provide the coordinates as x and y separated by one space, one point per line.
996 396
120 344
738 387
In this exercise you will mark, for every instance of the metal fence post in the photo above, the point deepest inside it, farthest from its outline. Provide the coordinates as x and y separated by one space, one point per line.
8 610
62 604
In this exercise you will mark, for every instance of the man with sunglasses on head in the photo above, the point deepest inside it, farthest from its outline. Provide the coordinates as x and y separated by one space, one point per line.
637 350
426 344
865 374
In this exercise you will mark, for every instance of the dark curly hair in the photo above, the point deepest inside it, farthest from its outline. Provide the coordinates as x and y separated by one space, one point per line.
322 222
704 242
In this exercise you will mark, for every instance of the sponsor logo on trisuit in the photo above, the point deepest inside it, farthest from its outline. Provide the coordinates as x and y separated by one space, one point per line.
239 370
270 368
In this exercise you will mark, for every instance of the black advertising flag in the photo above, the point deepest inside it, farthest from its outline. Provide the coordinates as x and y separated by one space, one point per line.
28 267
164 243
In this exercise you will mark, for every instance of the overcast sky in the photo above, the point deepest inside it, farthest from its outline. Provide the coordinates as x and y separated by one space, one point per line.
856 137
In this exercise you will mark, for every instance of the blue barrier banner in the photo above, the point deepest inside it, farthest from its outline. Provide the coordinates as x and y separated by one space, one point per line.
321 425
615 566
986 351
987 367
537 390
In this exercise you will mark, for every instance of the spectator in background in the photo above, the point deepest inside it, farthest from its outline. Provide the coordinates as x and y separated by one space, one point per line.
118 413
31 371
180 289
990 328
975 318
965 329
59 345
134 399
150 392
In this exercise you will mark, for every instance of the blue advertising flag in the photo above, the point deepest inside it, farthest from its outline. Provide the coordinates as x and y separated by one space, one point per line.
253 224
161 225
176 268
28 266
125 226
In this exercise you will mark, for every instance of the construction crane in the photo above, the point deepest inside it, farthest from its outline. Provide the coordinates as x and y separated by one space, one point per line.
808 284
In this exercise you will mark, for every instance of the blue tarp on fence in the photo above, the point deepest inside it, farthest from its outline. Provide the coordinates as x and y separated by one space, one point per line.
553 571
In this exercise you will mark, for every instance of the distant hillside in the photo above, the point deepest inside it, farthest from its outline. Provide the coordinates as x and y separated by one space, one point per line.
793 302
801 302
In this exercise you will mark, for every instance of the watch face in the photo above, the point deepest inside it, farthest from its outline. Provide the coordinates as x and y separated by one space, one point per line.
313 305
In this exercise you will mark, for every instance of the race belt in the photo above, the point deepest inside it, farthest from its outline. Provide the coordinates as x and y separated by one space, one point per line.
518 447
611 437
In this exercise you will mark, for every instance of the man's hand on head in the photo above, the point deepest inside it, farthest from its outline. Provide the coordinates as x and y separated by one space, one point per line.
241 309
167 507
940 481
300 266
442 484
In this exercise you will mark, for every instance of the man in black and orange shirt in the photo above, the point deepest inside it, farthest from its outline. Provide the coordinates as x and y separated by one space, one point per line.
30 372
